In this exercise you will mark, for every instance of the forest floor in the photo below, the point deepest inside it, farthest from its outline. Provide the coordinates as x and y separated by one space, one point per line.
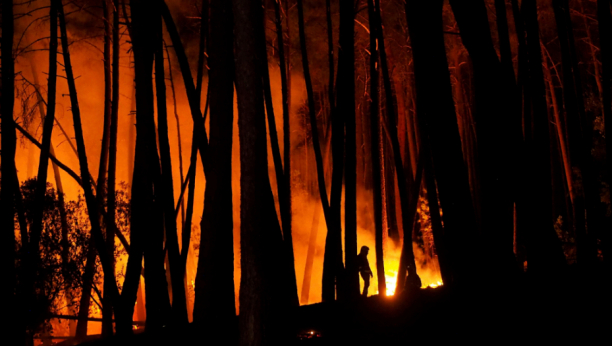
571 310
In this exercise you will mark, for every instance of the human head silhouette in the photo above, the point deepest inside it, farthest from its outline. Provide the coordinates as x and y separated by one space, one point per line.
365 249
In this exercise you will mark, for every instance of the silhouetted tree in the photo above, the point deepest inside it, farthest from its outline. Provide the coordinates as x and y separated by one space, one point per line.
261 298
8 188
147 222
214 306
438 126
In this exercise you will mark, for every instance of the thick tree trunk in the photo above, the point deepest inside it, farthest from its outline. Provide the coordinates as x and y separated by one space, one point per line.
493 94
8 188
346 105
176 268
261 296
374 150
146 217
544 253
285 212
438 125
214 306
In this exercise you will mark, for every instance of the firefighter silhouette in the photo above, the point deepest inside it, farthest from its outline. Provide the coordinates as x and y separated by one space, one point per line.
364 268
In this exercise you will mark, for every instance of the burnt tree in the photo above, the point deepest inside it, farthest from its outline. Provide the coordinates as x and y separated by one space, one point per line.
214 307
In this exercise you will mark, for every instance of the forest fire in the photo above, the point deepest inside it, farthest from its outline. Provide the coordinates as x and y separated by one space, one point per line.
178 168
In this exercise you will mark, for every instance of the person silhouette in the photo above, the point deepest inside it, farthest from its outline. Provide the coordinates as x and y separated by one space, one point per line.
364 269
413 281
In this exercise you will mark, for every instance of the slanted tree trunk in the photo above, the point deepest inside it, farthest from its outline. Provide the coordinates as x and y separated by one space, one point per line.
285 212
261 299
287 221
62 207
346 105
214 306
579 139
328 290
33 255
90 199
179 301
8 188
146 220
438 125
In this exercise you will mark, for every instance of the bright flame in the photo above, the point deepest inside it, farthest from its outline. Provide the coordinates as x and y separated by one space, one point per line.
427 268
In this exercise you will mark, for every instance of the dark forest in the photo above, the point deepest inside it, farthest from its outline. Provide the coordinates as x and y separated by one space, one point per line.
290 172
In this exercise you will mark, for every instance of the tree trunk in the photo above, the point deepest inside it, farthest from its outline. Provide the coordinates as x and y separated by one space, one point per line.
544 253
328 291
202 49
287 223
146 221
438 125
8 188
374 150
176 269
112 152
214 306
407 204
32 262
493 94
107 309
333 242
192 95
261 296
579 138
346 105
605 41
90 199
285 212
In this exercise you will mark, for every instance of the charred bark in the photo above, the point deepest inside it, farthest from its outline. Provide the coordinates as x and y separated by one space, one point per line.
285 212
374 151
333 225
107 309
287 222
214 306
544 254
438 125
177 270
146 209
8 188
346 105
494 109
261 302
